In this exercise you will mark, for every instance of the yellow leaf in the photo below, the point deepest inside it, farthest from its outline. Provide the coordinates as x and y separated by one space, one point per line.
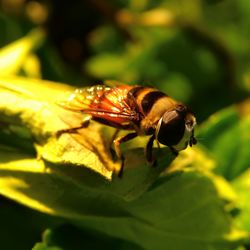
13 55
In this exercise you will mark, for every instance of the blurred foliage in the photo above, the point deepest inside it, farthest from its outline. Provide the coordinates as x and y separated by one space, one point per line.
197 52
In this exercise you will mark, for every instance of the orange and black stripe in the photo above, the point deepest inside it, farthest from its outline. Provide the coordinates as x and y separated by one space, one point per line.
146 97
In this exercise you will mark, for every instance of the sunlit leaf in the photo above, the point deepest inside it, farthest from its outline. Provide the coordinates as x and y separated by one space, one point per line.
31 66
242 186
200 159
169 215
227 136
13 55
32 104
195 51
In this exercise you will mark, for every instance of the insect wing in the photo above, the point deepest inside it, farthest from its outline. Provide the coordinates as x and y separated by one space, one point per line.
114 105
103 102
82 98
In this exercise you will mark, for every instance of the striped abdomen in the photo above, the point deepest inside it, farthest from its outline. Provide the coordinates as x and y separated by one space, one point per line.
151 101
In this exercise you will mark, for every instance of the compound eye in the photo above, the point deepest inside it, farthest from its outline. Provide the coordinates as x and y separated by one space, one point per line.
171 128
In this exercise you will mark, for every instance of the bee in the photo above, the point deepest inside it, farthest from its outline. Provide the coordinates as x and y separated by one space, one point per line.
144 111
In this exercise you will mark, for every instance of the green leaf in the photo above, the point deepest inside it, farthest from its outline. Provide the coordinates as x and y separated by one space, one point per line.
71 177
31 104
176 213
199 159
171 217
13 56
242 186
226 135
73 238
107 65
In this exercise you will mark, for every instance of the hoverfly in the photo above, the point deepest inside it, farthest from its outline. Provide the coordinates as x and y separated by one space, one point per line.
142 110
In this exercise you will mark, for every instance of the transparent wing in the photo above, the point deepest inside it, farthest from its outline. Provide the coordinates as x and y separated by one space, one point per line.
82 98
102 101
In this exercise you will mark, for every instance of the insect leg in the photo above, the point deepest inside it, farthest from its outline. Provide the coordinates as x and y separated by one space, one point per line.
84 124
149 151
115 135
112 141
118 152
